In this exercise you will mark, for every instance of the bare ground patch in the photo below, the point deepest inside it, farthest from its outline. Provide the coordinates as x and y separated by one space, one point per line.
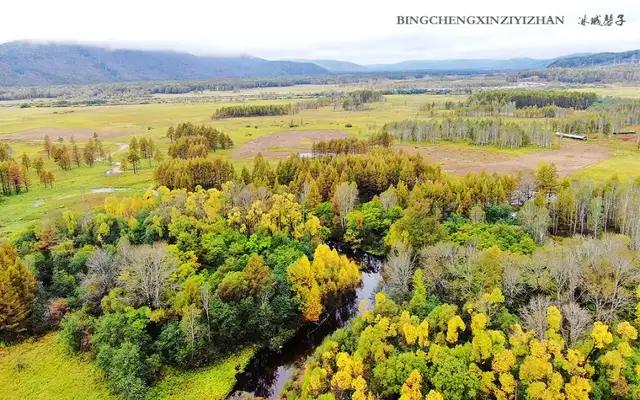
569 158
80 135
626 137
282 144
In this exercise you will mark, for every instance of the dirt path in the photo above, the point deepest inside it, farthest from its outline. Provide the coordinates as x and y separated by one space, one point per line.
116 169
282 144
569 157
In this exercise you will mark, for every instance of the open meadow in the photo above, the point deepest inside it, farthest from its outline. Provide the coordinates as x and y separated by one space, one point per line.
43 370
274 136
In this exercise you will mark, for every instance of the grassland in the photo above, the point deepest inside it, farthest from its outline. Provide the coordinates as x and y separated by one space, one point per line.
41 370
625 92
624 163
85 187
78 189
214 382
23 129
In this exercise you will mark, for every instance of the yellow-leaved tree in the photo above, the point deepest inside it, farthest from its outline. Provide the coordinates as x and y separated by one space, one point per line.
312 282
17 291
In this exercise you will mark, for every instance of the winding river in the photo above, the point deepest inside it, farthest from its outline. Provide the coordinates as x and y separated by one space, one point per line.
269 371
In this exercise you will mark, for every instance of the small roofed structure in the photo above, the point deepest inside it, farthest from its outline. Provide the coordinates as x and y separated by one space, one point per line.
571 136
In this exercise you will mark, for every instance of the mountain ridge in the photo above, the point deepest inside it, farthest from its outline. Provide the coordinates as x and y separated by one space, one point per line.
28 64
24 63
597 59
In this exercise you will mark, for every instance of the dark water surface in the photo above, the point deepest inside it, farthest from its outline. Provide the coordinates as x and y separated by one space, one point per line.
269 371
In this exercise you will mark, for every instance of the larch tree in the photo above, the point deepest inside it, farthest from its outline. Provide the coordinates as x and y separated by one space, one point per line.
47 145
17 292
345 199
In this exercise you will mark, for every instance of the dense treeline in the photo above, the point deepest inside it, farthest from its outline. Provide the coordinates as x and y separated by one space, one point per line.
119 92
608 74
339 146
214 138
356 99
584 124
193 172
539 98
604 118
373 172
172 278
254 110
509 109
602 59
351 145
483 131
585 207
189 147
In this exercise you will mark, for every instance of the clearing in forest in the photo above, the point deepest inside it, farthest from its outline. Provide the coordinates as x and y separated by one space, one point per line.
282 144
569 157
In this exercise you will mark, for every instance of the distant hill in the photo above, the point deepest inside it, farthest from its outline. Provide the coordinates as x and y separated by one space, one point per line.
27 64
434 65
595 59
39 64
338 66
463 65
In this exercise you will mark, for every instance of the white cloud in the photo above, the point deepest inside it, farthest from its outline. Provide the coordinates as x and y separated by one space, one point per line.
356 30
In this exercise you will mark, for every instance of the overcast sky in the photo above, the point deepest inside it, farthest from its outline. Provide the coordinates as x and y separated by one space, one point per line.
363 31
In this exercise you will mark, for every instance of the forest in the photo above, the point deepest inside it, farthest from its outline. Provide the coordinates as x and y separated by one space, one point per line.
527 98
481 132
253 111
584 75
494 286
517 118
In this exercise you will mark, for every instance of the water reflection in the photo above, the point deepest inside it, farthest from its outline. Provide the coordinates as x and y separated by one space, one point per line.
269 371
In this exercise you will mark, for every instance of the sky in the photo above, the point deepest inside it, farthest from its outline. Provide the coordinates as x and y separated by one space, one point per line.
362 31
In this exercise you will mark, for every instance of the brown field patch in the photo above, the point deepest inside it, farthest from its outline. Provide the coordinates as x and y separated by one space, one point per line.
628 137
569 158
282 144
80 135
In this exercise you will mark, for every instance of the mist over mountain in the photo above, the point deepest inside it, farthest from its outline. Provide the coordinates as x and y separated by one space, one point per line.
26 63
338 66
39 64
463 64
